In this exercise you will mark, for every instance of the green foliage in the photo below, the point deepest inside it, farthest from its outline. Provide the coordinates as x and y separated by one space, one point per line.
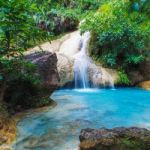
63 15
18 68
128 143
121 35
59 20
18 28
20 82
120 32
23 24
123 78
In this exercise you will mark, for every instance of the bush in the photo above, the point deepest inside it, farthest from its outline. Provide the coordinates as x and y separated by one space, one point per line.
120 35
18 31
123 78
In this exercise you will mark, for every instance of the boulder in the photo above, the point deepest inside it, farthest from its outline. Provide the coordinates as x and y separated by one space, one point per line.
7 132
144 85
115 139
140 73
100 76
46 63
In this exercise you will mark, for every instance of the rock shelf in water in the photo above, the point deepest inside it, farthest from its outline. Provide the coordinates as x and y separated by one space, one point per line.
115 139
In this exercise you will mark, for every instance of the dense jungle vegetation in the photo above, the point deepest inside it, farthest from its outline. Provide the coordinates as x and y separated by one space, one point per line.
120 31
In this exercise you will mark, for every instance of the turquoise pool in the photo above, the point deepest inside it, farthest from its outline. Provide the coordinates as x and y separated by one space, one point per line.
59 128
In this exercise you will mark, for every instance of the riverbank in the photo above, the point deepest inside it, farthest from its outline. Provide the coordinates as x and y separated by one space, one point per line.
8 125
8 132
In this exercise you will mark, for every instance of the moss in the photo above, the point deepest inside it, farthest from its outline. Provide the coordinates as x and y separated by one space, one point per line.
130 144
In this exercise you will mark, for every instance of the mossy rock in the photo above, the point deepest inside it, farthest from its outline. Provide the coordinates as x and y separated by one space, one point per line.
115 139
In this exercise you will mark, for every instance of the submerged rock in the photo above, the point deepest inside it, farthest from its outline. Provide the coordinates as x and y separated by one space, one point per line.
115 139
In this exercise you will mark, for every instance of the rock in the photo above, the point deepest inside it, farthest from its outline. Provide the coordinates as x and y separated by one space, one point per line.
140 73
1 125
65 69
145 69
7 132
52 46
113 73
71 46
46 63
3 140
100 76
115 139
144 85
65 48
135 77
65 56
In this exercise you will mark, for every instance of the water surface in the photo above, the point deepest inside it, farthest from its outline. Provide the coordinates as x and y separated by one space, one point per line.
59 128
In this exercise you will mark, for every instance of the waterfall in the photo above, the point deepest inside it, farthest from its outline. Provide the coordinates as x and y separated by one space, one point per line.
81 64
86 71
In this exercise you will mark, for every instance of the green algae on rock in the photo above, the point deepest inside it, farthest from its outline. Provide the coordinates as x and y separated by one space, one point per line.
115 139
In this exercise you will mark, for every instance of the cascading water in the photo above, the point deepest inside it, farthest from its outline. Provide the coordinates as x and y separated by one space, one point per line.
81 64
82 69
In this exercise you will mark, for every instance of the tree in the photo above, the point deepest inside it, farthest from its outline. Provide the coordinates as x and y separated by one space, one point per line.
18 29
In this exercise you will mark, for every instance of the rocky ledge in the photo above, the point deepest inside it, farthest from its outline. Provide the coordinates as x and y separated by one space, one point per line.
7 132
132 138
144 85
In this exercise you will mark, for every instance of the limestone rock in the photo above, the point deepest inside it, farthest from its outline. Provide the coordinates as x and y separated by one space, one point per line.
65 69
115 139
52 46
7 132
71 46
65 48
144 85
100 76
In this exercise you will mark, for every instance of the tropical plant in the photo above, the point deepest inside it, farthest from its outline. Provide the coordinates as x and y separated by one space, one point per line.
17 31
120 35
123 78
